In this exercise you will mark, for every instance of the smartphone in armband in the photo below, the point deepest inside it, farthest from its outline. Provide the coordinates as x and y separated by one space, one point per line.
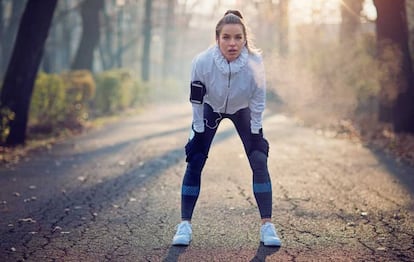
197 92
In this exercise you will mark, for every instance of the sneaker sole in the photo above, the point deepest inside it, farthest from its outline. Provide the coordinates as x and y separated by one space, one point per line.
180 243
272 244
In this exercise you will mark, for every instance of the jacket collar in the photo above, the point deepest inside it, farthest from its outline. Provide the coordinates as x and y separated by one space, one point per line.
236 65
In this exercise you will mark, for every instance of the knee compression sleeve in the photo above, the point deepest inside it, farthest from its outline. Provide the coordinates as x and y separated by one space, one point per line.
262 186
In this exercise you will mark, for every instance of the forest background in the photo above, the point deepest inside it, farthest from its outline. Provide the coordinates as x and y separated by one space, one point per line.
341 66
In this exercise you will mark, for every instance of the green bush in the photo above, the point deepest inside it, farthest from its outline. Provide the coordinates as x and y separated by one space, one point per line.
66 100
117 90
139 92
47 107
6 115
80 89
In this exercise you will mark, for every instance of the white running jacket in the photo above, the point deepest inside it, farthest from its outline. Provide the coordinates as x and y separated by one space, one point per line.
230 86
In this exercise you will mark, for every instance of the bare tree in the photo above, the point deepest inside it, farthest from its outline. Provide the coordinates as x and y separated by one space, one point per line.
9 30
146 53
169 38
392 34
90 10
59 48
24 63
2 25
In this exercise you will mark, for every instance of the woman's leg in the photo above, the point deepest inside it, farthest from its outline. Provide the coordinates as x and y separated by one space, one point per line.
257 155
197 151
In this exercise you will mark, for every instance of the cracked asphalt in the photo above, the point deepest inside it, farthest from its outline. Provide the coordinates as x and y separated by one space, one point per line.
113 194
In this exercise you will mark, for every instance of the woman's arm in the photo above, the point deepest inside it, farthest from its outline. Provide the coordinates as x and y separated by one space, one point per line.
258 99
198 108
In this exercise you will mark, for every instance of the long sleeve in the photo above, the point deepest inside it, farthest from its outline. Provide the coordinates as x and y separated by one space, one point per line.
258 99
198 113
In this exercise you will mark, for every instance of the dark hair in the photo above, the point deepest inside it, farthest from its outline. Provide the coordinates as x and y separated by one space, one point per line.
235 17
234 12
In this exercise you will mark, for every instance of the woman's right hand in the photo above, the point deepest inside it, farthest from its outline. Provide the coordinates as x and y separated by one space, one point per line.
195 144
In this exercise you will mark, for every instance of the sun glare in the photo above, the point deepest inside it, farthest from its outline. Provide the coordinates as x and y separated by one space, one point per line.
314 11
300 11
323 11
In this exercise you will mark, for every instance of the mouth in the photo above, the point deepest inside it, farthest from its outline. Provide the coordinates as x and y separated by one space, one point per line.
232 51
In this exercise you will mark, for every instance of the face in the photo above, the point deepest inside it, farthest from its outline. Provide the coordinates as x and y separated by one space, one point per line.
231 41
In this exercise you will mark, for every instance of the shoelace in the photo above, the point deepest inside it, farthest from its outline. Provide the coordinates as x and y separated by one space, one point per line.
183 229
269 229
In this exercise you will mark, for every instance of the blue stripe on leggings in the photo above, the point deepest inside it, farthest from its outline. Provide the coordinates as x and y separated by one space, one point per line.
262 188
190 190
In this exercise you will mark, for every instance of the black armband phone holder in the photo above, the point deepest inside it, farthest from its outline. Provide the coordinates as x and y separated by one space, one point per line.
197 92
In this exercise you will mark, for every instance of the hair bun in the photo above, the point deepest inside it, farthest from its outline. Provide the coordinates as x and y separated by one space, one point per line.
234 12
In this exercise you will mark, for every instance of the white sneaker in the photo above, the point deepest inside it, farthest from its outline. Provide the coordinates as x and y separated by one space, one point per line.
269 236
183 235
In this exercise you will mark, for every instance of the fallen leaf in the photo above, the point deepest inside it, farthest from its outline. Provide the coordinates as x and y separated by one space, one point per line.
56 228
28 220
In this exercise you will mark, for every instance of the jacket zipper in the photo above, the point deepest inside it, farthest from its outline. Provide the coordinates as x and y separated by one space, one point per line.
228 87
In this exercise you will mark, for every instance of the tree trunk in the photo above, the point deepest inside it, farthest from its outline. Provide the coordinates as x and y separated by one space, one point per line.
66 50
90 10
9 33
119 37
2 26
145 65
350 14
410 21
24 63
397 104
169 39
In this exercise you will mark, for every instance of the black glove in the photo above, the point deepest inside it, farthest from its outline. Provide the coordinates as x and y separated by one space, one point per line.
195 145
259 143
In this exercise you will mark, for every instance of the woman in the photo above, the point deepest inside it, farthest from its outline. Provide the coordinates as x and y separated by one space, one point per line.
228 81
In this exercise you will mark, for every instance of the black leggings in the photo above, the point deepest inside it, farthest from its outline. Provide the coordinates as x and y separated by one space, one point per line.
197 151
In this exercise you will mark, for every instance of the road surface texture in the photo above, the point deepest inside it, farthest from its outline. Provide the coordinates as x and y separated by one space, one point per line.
113 194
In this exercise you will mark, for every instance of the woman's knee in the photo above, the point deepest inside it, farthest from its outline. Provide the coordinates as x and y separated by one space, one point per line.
258 160
196 162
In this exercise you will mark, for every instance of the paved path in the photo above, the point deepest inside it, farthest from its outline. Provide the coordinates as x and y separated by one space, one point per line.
113 195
